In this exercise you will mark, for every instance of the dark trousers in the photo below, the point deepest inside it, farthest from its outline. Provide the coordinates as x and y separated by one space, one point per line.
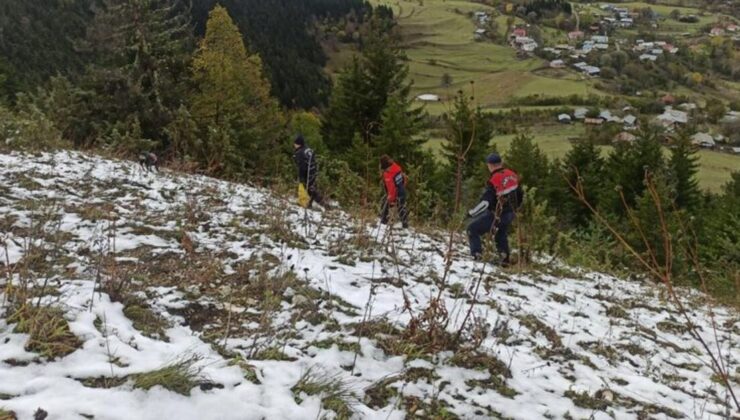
315 195
484 224
403 212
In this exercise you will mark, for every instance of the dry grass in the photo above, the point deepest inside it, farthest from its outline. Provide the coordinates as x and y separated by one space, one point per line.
336 392
49 333
180 377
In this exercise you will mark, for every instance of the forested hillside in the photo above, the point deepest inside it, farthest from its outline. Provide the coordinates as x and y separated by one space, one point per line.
42 39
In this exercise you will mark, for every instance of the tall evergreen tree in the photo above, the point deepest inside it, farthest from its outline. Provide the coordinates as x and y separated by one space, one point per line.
232 101
527 159
583 163
683 167
626 168
140 51
468 133
346 114
372 98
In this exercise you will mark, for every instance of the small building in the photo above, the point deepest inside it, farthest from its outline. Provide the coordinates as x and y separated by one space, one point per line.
580 113
518 33
717 31
575 35
624 137
733 28
600 39
735 150
688 106
626 22
730 117
529 47
564 119
593 121
557 64
428 97
630 121
670 118
704 140
648 57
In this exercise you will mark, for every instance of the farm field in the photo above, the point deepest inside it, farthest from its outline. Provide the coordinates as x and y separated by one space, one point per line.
439 40
554 140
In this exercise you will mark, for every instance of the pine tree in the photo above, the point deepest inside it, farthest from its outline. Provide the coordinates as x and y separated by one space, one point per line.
468 133
583 163
626 169
526 159
140 49
372 99
346 114
399 133
232 100
684 167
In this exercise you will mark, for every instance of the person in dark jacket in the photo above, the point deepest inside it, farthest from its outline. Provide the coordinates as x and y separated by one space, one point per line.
496 209
308 169
394 181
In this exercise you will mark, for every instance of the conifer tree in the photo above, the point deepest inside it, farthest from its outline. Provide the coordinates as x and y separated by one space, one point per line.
468 133
372 99
684 167
346 114
232 100
140 50
582 160
526 159
626 167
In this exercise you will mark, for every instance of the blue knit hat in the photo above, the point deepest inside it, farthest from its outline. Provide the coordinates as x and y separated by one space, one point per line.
300 141
494 159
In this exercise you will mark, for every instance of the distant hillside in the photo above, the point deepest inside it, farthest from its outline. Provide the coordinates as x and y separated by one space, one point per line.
128 295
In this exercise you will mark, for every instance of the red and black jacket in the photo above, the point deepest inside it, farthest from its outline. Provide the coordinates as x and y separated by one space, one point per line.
503 190
395 183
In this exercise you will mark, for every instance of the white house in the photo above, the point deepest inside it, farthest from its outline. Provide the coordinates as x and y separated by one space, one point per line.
648 57
703 140
580 113
672 117
428 97
557 64
564 118
600 39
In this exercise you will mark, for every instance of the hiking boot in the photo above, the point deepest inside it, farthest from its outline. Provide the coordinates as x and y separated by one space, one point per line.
504 260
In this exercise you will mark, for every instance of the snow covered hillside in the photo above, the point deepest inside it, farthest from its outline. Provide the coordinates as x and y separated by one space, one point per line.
143 296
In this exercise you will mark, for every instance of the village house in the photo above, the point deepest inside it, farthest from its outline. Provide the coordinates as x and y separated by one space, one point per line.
557 64
518 33
704 140
671 118
479 34
732 28
630 122
575 35
428 97
564 119
648 57
580 113
593 121
717 31
624 137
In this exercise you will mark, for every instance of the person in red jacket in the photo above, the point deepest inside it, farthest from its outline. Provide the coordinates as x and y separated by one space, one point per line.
395 190
496 210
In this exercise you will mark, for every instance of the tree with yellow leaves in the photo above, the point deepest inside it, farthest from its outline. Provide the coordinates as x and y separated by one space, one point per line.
241 123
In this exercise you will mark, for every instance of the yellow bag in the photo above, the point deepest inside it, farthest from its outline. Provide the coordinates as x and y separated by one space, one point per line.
303 197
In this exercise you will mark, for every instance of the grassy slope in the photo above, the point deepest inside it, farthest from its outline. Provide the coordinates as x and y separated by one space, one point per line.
439 38
715 167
